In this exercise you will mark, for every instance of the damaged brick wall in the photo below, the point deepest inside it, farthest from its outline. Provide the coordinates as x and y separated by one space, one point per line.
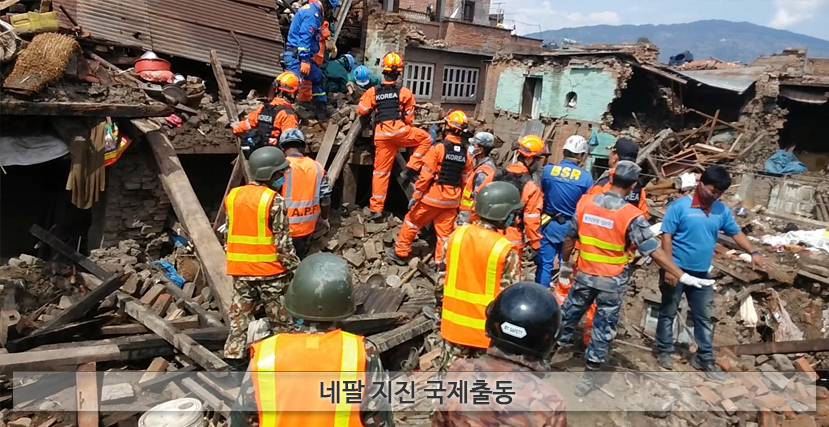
762 114
136 204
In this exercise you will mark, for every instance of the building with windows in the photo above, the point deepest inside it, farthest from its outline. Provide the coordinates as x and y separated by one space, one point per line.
447 47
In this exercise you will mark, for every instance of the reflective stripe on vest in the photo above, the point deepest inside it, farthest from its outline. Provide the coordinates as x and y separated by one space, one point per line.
470 287
334 351
602 237
471 190
250 244
302 194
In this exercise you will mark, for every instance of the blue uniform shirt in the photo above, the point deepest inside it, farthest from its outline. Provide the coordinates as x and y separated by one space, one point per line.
304 34
695 234
563 185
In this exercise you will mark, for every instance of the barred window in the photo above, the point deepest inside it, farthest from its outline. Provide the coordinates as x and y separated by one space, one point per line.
460 82
418 77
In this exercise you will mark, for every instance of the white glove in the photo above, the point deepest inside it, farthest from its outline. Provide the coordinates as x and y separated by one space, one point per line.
233 124
325 223
565 271
689 280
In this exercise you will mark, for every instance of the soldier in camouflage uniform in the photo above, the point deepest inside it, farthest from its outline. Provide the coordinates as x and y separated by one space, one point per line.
319 296
532 323
601 254
496 205
267 165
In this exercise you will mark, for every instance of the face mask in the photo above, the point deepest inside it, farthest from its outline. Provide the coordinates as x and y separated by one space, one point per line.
471 151
510 220
278 183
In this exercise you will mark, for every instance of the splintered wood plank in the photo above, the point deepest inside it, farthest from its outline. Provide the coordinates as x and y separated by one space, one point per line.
46 360
327 143
87 395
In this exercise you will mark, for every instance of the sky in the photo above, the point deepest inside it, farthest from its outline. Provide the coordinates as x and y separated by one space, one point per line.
810 17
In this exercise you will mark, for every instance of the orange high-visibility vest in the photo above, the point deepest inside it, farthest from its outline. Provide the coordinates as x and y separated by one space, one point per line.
474 267
250 246
602 237
466 200
334 351
302 194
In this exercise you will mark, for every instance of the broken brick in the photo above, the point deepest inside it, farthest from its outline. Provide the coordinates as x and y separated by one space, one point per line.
734 392
726 352
802 420
788 412
804 366
724 363
729 407
710 395
769 401
767 419
370 250
761 359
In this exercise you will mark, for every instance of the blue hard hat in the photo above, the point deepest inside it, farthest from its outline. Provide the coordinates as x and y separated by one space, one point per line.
349 60
334 3
361 75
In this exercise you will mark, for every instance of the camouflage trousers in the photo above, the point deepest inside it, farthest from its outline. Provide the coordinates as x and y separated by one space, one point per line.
451 352
608 306
247 295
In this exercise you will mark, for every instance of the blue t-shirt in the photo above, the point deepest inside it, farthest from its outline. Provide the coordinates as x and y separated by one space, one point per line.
695 234
563 184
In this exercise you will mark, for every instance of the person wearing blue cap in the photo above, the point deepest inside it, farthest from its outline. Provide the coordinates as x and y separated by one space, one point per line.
363 78
337 72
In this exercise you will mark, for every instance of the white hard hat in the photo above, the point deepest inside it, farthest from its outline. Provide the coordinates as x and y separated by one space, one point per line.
576 144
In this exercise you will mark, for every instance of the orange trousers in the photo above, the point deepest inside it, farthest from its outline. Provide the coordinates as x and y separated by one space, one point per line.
385 150
420 215
562 289
305 92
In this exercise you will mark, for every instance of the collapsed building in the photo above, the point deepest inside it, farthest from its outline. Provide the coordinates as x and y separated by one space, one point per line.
105 172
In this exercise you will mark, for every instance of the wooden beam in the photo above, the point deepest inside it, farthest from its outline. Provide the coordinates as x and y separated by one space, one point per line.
212 401
87 394
183 323
800 220
782 347
7 3
344 151
188 304
713 123
58 334
85 304
341 15
15 107
365 324
390 339
164 329
191 214
327 143
716 120
58 359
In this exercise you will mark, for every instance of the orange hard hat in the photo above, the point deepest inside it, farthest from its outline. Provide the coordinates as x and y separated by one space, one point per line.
287 82
457 120
532 146
392 63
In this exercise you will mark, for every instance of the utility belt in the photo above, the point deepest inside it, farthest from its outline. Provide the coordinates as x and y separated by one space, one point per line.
557 217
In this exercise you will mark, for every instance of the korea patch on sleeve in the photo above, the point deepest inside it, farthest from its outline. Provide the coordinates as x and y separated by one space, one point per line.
513 330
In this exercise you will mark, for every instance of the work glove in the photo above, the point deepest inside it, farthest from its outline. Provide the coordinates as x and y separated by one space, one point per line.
565 271
689 280
331 47
305 68
233 124
324 224
412 203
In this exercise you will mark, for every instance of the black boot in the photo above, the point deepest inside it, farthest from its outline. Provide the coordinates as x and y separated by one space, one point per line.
323 113
409 175
588 380
237 365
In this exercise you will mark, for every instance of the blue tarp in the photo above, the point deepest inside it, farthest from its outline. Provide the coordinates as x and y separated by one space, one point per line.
784 162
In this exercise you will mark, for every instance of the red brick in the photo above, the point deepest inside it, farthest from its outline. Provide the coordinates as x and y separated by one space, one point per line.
725 351
804 366
802 420
766 419
788 412
729 406
710 395
769 401
724 363
735 392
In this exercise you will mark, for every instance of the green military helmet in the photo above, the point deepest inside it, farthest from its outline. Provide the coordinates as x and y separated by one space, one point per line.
497 200
265 161
321 289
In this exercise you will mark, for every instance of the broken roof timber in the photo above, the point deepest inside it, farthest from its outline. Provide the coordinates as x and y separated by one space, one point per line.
733 79
16 107
658 71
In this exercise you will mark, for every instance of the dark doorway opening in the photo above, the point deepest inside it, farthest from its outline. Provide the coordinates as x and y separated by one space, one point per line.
208 174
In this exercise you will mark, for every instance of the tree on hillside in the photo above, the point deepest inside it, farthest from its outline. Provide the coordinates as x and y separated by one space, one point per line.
643 40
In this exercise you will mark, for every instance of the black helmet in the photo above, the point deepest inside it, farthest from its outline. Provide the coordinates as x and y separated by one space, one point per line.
524 319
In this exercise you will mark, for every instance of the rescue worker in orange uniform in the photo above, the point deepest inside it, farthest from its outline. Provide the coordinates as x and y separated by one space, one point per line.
477 264
344 366
623 149
393 107
606 226
437 192
264 124
531 153
260 254
480 146
306 191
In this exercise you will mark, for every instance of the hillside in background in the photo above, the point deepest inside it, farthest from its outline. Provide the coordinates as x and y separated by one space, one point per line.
724 40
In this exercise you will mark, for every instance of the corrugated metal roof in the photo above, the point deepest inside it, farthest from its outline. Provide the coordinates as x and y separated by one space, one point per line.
804 95
187 28
733 79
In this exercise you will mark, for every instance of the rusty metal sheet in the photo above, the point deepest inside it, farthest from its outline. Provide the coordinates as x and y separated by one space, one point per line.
189 30
372 300
733 79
